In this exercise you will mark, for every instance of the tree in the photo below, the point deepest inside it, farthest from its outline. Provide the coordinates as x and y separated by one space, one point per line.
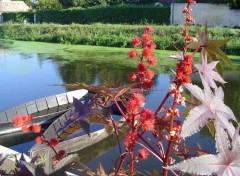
48 4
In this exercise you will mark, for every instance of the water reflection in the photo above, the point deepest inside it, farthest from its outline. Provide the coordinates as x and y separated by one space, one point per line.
30 76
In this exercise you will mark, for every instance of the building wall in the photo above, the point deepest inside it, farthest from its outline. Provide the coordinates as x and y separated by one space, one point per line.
215 15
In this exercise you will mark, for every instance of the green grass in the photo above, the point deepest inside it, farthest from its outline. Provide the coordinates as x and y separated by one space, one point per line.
95 54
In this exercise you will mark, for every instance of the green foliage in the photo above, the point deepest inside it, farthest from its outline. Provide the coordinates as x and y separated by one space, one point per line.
114 14
18 17
234 4
113 35
48 4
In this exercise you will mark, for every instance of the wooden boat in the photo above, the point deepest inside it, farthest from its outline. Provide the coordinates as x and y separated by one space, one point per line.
79 143
43 110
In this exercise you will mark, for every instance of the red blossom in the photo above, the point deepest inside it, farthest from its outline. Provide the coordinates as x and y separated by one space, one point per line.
152 60
130 137
19 121
148 29
139 97
61 153
132 76
186 79
36 128
146 39
132 53
142 154
25 129
189 58
150 74
148 84
152 46
53 142
146 52
39 140
141 67
136 41
27 118
147 119
133 105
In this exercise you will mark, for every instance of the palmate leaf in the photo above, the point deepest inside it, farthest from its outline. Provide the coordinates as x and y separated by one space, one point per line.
80 114
210 46
207 71
212 107
225 163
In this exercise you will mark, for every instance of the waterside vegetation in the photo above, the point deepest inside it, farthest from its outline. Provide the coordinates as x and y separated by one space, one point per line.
112 35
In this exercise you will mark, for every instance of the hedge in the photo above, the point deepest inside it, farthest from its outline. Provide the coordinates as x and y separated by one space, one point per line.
112 14
112 35
18 17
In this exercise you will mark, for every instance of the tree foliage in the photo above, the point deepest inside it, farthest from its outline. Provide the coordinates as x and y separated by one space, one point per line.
48 4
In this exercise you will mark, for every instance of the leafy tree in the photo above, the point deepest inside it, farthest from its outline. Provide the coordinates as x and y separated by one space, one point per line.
48 4
234 4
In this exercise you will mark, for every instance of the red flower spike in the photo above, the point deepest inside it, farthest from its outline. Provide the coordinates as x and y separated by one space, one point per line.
142 154
136 41
53 142
132 54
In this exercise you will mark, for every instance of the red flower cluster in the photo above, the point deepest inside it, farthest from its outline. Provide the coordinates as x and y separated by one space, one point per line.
144 75
184 69
20 121
25 122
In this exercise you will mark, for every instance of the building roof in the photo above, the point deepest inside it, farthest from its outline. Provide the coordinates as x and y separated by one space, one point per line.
13 6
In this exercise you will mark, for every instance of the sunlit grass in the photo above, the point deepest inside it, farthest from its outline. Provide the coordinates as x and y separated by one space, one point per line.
97 54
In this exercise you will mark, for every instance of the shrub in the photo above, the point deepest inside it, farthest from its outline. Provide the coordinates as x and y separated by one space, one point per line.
111 35
114 14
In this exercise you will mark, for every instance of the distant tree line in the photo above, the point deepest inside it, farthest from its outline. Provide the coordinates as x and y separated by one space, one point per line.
59 4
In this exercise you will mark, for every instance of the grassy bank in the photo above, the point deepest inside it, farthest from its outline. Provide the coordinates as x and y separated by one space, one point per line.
112 35
94 54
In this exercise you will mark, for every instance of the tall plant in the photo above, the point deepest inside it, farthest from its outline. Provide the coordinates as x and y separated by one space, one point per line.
164 123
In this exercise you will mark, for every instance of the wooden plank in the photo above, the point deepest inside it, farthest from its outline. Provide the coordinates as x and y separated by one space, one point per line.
21 109
42 106
32 108
11 113
52 104
3 117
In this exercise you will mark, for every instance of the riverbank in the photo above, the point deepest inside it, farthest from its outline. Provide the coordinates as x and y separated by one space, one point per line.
112 35
105 55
